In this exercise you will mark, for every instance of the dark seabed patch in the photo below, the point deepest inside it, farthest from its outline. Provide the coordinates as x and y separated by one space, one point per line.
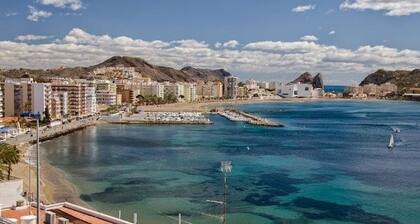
328 210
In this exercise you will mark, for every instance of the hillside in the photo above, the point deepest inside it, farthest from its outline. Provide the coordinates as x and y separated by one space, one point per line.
155 72
401 78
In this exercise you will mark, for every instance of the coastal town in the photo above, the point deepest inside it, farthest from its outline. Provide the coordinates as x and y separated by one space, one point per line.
63 105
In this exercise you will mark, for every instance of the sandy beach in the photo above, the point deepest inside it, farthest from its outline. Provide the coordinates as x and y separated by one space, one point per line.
55 186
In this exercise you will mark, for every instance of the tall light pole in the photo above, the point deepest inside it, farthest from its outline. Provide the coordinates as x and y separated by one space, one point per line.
36 116
38 173
225 167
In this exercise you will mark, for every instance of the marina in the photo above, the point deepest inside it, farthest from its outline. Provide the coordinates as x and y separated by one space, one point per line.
194 118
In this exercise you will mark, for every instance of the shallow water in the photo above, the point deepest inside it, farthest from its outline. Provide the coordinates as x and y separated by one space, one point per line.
329 164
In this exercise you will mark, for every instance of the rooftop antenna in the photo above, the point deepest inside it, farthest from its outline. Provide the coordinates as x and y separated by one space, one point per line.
225 167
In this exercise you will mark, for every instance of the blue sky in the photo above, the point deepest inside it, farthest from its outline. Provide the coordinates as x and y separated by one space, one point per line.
345 40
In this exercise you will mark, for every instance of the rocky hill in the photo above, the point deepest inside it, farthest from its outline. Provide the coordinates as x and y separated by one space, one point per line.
155 72
307 78
401 78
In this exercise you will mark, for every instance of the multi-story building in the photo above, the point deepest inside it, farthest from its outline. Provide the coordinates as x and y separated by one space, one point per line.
41 100
17 96
217 90
251 84
106 92
296 90
203 90
91 100
175 89
152 89
190 92
59 105
264 85
81 97
231 87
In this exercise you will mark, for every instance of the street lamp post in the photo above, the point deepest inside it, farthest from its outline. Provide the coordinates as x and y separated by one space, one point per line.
36 116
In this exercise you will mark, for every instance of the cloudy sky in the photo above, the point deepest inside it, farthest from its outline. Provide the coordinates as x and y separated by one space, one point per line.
268 40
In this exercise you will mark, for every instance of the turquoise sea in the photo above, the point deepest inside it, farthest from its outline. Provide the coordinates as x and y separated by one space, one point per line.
330 164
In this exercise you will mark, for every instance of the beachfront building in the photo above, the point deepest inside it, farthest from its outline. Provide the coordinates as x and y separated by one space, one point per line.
152 89
231 87
17 96
264 85
203 90
81 96
251 84
217 90
106 92
175 89
299 90
41 100
190 92
59 105
91 100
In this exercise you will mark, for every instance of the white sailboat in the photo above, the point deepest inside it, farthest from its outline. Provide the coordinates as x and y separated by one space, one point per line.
391 144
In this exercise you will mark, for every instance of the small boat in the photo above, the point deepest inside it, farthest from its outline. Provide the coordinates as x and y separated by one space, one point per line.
391 144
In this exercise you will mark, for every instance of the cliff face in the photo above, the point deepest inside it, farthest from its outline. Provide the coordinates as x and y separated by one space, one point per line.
307 78
401 78
155 72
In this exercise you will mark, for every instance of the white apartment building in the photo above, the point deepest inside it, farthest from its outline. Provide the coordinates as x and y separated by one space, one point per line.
299 90
106 92
42 100
251 84
190 92
91 100
231 87
217 90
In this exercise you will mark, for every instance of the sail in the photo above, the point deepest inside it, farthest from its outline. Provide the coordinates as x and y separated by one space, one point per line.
391 142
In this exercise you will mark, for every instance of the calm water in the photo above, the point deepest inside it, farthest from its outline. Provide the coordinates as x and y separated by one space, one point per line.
329 164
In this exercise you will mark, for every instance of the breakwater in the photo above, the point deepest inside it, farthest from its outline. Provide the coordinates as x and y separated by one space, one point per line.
236 115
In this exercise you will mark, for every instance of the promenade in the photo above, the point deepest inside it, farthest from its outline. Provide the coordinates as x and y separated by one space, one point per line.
47 132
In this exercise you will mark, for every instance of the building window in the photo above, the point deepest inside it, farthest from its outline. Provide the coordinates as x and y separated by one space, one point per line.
306 88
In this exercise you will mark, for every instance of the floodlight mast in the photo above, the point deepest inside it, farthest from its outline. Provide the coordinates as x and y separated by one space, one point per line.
225 167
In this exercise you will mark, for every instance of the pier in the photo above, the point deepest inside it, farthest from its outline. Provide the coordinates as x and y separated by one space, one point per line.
236 115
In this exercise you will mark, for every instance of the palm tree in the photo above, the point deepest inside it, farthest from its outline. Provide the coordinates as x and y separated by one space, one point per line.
9 155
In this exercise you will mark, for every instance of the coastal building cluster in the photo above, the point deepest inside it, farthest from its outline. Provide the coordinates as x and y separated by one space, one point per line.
372 91
62 98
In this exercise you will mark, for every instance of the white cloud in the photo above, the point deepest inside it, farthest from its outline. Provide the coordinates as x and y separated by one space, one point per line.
271 59
332 32
303 8
35 15
31 37
218 45
391 7
72 4
231 44
309 38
